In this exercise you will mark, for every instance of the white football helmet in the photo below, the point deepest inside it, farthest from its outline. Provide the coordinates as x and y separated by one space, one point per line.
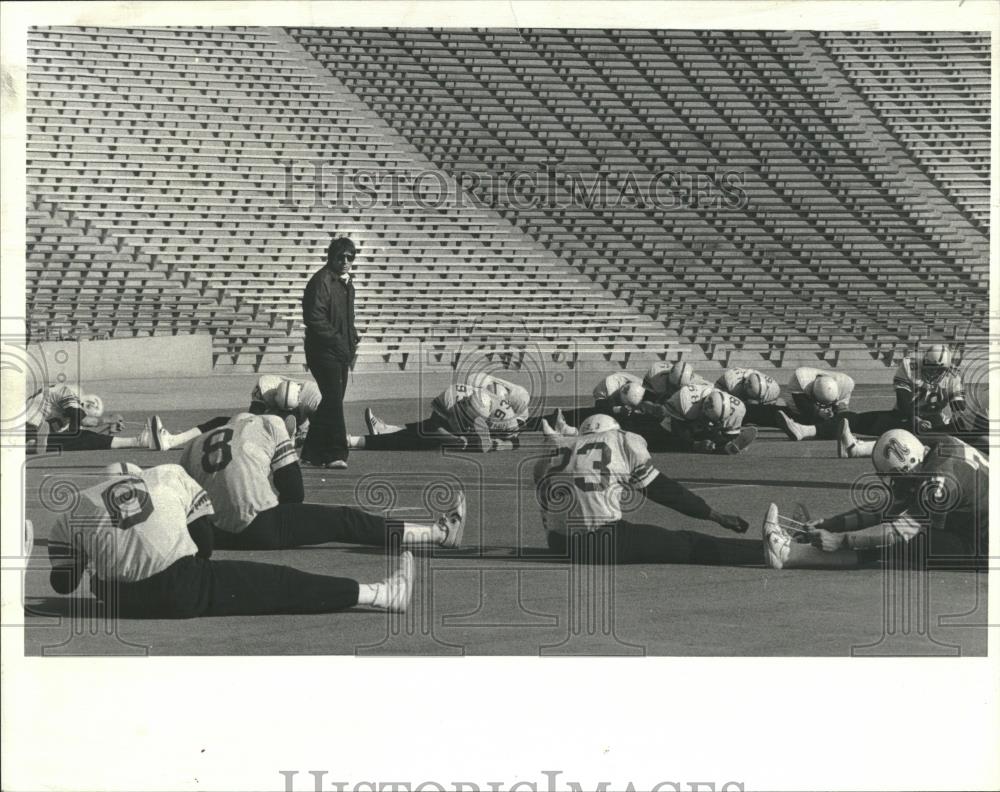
680 375
122 469
632 394
598 423
92 405
718 407
937 358
762 389
478 404
898 451
826 391
287 395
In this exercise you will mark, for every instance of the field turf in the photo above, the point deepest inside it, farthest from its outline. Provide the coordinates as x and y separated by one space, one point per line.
496 596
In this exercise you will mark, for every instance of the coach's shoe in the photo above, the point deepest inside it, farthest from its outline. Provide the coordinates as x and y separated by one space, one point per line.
452 522
336 464
155 436
393 594
777 541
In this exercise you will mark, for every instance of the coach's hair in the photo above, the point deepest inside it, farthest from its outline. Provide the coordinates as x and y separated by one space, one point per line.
339 247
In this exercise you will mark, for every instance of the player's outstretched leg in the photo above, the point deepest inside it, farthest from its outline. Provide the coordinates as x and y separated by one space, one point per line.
40 439
290 525
155 434
784 550
848 446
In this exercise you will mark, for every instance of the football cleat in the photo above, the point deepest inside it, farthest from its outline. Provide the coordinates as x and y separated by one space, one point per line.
848 446
777 541
898 451
598 423
562 427
547 430
793 429
154 435
747 435
394 593
452 522
371 422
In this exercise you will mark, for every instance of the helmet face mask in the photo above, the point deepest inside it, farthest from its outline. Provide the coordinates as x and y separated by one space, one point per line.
935 361
598 423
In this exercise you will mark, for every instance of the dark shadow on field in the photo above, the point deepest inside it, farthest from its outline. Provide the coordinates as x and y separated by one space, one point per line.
68 607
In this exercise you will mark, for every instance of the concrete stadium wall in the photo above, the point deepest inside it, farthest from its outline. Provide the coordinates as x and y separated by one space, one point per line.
149 358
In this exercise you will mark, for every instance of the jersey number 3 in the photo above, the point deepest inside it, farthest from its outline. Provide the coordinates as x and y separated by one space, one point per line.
217 451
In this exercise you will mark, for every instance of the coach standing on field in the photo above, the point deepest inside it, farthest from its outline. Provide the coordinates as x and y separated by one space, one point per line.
331 341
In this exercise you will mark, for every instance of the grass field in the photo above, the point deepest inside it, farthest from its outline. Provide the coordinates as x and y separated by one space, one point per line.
495 596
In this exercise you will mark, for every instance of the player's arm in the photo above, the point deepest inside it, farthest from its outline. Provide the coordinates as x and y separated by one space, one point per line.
285 470
200 512
202 531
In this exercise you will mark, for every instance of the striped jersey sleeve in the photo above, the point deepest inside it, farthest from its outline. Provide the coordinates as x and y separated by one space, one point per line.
284 449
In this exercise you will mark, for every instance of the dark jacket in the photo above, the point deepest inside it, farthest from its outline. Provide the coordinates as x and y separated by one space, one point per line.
328 313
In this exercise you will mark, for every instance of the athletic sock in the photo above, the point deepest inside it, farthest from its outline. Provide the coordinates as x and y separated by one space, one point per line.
805 556
184 437
420 533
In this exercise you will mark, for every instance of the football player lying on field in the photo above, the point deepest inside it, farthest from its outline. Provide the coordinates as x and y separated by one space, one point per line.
162 568
941 491
698 418
462 417
663 380
292 401
250 471
930 400
60 418
580 487
616 394
818 398
760 394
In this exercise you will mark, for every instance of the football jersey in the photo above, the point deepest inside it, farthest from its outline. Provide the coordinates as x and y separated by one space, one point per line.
581 487
266 393
686 404
657 381
132 526
803 378
960 475
932 399
515 395
611 386
52 403
234 462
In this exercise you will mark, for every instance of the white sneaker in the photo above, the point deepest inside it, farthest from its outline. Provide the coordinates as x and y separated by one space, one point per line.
564 428
452 522
794 430
394 593
371 422
777 541
845 440
154 435
547 430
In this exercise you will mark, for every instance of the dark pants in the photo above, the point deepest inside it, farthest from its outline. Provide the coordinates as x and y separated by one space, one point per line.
631 543
80 440
327 437
421 436
766 415
195 586
297 524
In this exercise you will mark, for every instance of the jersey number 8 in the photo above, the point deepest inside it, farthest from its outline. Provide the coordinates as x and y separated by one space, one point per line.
217 452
